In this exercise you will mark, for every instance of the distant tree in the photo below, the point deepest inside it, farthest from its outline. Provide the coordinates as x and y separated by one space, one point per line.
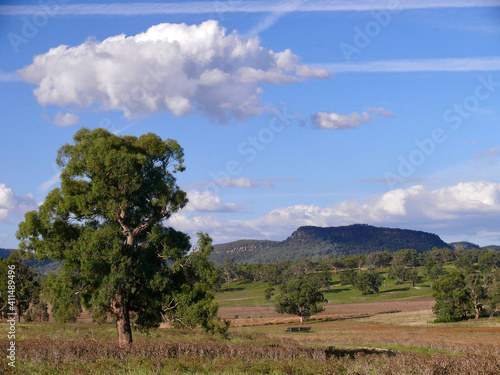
228 270
452 298
23 278
488 260
434 270
299 297
337 264
493 294
466 261
399 273
369 282
348 277
379 259
38 311
406 258
269 293
412 276
476 292
320 279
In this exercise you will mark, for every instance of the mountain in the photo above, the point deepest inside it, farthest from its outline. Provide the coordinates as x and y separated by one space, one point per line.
42 269
464 245
491 247
316 242
5 253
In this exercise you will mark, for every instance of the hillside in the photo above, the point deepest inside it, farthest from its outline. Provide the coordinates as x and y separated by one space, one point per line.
316 242
42 269
464 245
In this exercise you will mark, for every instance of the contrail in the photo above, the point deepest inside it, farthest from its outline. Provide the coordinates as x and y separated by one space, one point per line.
219 7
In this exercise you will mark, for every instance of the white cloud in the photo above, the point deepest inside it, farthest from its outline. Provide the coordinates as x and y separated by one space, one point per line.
12 205
337 121
174 67
207 202
67 119
464 209
332 120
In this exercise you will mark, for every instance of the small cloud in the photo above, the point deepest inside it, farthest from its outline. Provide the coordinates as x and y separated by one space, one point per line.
337 121
207 202
240 182
381 111
67 119
489 153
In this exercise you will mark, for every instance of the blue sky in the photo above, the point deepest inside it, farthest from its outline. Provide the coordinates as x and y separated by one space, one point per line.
290 113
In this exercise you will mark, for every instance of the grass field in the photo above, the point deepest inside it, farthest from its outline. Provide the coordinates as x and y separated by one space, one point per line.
343 346
386 333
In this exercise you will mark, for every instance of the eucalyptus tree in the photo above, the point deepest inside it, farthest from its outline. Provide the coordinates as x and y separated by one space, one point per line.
106 223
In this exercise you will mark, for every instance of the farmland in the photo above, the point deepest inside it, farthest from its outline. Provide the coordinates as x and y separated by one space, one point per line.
387 333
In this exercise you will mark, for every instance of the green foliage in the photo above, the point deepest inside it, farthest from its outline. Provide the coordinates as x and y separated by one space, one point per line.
299 297
369 282
38 311
64 298
192 303
379 259
406 258
348 277
434 270
17 276
452 298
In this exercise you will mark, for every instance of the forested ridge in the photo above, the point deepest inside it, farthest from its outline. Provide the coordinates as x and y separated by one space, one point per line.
317 242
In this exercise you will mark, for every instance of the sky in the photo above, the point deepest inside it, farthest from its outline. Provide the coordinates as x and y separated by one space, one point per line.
293 113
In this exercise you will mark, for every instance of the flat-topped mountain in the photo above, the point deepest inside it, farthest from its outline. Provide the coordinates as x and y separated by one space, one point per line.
316 242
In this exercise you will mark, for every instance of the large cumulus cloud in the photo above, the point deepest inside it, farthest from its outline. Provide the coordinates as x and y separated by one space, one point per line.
177 68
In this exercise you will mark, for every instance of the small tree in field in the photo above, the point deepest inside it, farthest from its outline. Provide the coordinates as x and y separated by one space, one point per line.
299 297
106 223
452 298
23 278
369 282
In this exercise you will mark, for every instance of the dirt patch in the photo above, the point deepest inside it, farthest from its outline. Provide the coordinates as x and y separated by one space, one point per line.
347 309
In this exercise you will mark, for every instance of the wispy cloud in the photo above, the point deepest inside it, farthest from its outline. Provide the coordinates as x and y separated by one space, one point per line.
337 121
416 65
220 7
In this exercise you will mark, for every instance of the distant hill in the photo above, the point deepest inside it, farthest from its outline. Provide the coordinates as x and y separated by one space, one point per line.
464 245
5 253
42 269
316 242
491 247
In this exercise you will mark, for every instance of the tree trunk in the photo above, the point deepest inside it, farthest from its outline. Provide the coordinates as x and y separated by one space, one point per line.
301 320
17 310
120 310
478 311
